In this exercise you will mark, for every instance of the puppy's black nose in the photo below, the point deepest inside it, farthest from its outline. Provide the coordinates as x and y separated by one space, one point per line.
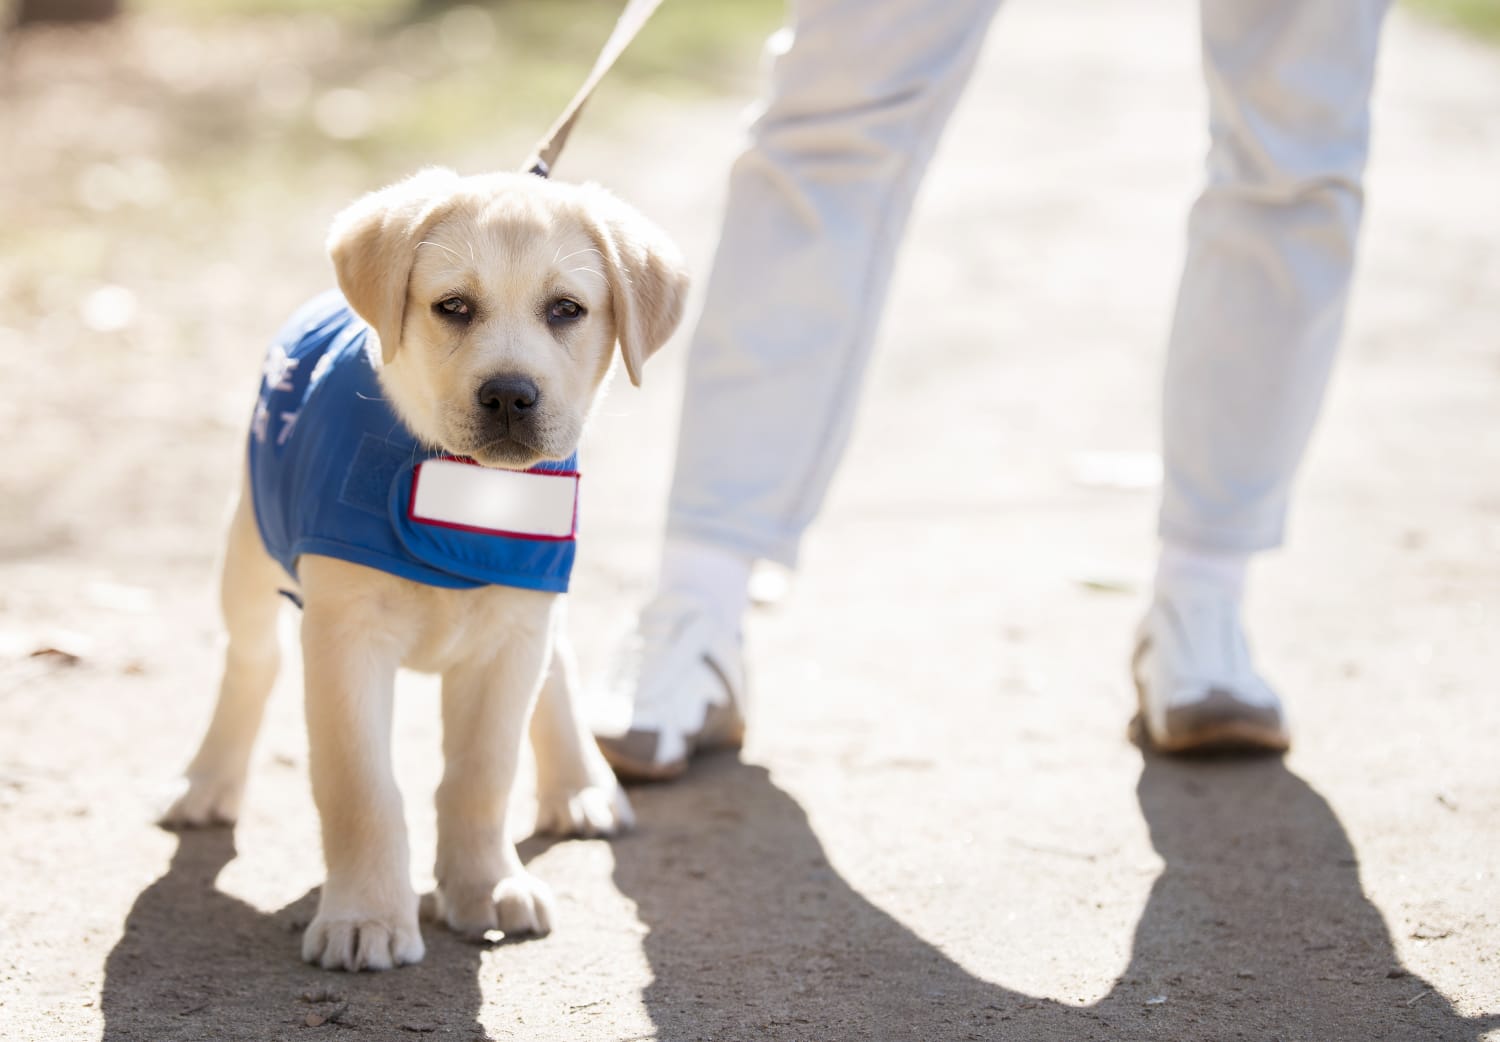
510 396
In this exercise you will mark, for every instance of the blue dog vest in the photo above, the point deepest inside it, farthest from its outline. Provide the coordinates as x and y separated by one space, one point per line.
334 471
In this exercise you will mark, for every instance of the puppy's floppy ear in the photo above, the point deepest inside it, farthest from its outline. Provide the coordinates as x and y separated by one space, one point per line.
373 243
647 281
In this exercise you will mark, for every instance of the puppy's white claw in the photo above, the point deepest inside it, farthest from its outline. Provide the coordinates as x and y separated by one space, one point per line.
599 810
524 905
520 904
624 812
347 944
204 801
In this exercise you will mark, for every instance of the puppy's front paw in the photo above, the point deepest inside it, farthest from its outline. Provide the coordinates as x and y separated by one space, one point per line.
520 904
596 810
345 936
205 800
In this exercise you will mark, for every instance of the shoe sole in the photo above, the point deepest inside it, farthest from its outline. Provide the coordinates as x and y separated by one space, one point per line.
630 770
1221 738
1230 736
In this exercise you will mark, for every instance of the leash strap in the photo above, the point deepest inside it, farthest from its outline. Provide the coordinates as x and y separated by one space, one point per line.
631 20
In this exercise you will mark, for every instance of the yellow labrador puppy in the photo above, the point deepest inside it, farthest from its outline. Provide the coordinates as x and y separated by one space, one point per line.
411 480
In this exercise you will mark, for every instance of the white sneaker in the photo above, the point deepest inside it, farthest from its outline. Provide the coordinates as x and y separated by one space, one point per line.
684 679
1198 689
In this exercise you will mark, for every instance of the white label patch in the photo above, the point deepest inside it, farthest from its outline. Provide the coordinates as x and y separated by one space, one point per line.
533 504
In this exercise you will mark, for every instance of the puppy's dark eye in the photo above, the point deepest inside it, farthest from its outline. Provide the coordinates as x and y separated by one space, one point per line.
454 308
563 310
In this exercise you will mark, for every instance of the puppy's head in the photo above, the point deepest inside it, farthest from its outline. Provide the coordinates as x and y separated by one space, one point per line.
498 301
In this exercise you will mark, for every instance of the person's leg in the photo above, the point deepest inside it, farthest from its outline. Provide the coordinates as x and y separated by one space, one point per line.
1271 245
860 92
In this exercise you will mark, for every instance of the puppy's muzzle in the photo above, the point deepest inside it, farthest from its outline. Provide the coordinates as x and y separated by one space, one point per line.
511 401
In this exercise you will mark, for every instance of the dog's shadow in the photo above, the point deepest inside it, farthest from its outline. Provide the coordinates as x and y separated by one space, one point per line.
1257 928
195 963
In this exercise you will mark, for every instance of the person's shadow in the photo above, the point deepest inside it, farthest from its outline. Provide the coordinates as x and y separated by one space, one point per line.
1257 927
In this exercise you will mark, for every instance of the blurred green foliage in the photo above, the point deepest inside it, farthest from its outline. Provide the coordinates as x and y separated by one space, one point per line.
706 33
1480 17
440 73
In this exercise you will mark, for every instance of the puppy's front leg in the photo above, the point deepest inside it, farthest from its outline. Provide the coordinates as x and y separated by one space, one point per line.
367 914
482 884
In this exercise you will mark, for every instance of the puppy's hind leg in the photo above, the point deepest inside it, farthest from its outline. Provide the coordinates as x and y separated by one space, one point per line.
215 780
577 794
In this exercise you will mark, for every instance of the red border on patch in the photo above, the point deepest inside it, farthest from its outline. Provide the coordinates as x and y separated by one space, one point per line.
411 502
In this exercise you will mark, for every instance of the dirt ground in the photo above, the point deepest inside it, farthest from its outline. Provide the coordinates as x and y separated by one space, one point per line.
938 829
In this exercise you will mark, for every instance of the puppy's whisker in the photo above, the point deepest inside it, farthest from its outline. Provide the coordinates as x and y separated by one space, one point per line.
447 250
564 260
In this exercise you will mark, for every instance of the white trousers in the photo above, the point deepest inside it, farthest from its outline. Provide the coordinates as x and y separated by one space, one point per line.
860 91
